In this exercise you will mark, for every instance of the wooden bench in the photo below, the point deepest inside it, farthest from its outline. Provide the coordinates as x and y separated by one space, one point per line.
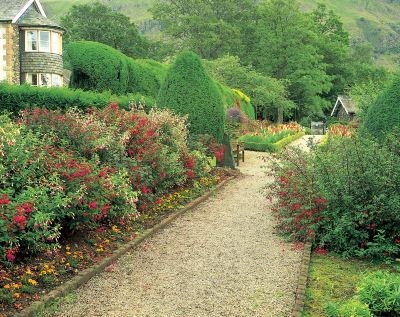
238 151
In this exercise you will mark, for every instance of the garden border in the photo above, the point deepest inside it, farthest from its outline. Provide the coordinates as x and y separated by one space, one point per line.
302 282
84 276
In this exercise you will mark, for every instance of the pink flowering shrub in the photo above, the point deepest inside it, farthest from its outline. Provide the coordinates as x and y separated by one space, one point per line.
343 197
62 172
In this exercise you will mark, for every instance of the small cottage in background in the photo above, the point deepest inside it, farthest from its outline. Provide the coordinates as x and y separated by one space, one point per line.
30 45
345 109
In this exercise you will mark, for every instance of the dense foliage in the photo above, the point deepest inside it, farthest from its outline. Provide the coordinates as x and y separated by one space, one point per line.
338 198
383 115
308 54
98 22
75 170
189 90
99 67
16 98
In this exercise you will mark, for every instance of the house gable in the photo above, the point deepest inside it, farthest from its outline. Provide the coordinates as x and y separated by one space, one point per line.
12 10
346 103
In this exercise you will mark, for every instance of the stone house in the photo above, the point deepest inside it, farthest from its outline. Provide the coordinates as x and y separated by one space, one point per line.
345 109
30 45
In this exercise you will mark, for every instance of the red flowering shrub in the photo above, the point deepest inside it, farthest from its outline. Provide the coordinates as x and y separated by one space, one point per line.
74 170
343 197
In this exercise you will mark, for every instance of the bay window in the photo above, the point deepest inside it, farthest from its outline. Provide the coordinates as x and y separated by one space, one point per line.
43 41
44 80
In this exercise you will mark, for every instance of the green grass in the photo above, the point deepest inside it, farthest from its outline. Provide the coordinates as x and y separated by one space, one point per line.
334 279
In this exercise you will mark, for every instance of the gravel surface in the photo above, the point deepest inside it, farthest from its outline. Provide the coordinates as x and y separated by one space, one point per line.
220 259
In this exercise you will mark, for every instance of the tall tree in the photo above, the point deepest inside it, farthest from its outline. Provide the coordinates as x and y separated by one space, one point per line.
333 44
267 94
287 51
211 28
98 22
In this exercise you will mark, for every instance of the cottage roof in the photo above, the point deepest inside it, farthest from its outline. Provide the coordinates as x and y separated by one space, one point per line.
12 10
32 17
347 103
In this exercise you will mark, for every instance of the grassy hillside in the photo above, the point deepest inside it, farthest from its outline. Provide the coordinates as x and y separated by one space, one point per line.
374 20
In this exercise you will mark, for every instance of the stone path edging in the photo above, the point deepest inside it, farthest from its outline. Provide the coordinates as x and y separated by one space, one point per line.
84 276
302 282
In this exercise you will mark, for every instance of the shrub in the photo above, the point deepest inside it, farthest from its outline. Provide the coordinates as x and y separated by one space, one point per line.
16 98
384 115
339 198
189 90
145 77
351 308
381 292
99 67
77 170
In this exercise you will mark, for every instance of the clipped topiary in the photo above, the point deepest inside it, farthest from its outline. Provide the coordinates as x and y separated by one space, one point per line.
188 89
99 67
384 115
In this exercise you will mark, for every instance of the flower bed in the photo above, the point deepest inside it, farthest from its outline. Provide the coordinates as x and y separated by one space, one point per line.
272 138
94 175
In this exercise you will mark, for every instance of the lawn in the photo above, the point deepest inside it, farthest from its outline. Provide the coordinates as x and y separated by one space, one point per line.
335 279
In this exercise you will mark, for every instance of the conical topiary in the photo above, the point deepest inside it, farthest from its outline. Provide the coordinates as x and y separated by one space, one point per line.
189 90
384 114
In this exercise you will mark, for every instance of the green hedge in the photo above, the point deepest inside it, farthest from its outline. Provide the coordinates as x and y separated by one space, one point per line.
99 67
16 98
270 144
189 90
384 115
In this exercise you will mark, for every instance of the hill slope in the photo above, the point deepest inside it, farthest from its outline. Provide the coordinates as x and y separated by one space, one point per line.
377 21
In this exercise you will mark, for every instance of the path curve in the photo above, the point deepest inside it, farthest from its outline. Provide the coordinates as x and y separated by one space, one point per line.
220 259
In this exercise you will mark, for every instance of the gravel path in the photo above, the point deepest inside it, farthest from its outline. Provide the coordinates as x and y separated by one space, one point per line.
220 259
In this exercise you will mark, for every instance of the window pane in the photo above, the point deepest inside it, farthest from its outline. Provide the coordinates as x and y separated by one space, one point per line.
31 79
56 80
55 42
45 80
44 41
31 41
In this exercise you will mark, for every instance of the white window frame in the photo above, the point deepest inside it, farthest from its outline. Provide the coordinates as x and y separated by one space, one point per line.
51 78
28 48
58 51
48 49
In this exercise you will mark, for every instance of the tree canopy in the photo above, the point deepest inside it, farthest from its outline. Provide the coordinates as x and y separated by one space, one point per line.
98 22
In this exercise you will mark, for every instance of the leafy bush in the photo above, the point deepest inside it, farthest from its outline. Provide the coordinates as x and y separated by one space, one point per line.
78 170
97 66
351 308
384 115
381 292
16 98
189 90
145 77
339 198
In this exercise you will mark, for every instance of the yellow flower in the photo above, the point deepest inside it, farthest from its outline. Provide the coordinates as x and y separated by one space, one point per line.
33 282
17 295
16 286
115 229
28 271
67 253
7 286
67 248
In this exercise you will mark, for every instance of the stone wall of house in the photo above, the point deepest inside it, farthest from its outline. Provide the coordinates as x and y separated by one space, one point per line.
39 62
10 51
3 57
